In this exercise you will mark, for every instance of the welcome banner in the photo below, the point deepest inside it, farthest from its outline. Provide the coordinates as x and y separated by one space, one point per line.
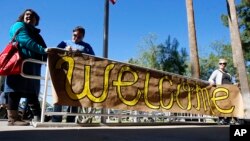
88 81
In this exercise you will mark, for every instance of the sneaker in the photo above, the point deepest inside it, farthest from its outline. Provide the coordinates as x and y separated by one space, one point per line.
232 122
36 119
239 122
223 122
235 121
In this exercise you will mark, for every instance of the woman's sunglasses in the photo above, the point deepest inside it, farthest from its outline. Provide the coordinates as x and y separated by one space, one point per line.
222 63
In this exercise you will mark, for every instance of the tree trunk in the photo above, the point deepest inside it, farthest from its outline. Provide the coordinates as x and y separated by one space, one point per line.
194 58
238 53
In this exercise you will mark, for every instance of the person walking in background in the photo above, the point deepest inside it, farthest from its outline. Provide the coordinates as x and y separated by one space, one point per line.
75 44
221 76
31 45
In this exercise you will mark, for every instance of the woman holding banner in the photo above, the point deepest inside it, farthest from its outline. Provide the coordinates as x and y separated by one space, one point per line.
31 45
219 77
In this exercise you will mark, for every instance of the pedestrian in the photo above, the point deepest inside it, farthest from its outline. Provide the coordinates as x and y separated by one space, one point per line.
31 45
221 76
75 44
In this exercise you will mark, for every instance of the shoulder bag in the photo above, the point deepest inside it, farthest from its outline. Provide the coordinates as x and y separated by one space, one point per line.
10 59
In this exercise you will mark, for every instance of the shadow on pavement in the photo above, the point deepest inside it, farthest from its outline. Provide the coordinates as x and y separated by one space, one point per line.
179 133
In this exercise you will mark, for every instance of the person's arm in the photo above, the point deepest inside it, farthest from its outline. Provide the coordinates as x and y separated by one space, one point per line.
62 45
212 78
24 39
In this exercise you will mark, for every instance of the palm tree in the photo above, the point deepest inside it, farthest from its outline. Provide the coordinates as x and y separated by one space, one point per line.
238 54
194 58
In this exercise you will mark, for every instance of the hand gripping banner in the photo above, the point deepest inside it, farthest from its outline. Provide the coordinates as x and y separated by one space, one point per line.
88 81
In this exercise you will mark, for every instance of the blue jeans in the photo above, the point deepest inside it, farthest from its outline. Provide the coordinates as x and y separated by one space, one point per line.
3 98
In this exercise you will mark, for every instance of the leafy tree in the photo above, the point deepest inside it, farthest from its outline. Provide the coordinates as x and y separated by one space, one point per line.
209 64
170 58
243 13
147 53
164 57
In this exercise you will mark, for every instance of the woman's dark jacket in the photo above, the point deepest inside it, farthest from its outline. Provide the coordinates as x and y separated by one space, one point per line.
31 45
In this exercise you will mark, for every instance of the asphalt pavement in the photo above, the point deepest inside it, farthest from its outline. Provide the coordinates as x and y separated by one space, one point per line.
169 132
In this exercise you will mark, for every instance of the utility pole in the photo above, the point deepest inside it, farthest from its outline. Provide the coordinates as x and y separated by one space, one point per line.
238 57
106 29
194 58
105 44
